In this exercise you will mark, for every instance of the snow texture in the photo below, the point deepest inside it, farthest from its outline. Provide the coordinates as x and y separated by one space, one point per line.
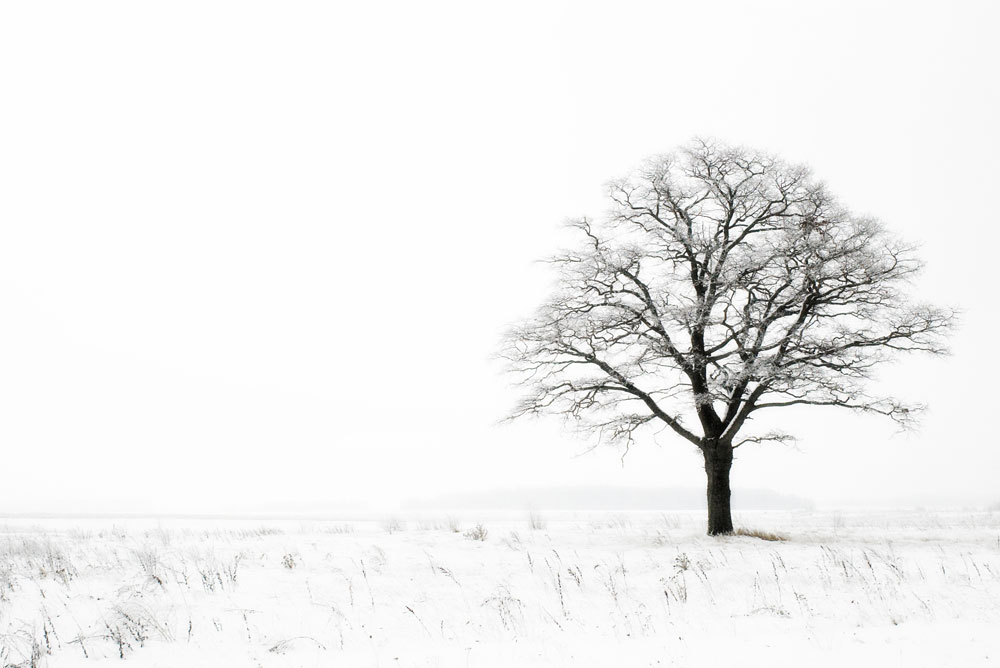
642 589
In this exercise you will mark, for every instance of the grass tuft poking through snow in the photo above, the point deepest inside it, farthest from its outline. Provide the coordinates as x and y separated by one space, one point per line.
759 533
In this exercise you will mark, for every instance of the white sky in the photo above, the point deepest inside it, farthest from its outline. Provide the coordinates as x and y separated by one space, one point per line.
256 256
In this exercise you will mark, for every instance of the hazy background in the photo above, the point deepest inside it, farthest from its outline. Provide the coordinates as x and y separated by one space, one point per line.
255 256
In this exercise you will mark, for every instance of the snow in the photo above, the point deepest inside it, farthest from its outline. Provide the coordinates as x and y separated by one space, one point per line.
597 589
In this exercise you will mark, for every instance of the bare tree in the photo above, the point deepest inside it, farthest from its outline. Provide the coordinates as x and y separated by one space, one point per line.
724 282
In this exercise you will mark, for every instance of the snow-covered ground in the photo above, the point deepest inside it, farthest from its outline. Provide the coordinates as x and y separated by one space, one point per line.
886 589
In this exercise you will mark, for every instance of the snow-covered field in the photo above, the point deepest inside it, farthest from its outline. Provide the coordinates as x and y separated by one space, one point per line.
886 589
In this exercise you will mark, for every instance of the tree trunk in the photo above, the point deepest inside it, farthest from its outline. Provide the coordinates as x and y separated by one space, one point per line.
718 462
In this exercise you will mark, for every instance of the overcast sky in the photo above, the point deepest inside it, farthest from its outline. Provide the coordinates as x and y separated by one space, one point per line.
255 256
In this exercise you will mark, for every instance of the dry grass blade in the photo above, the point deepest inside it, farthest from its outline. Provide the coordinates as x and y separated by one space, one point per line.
759 533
